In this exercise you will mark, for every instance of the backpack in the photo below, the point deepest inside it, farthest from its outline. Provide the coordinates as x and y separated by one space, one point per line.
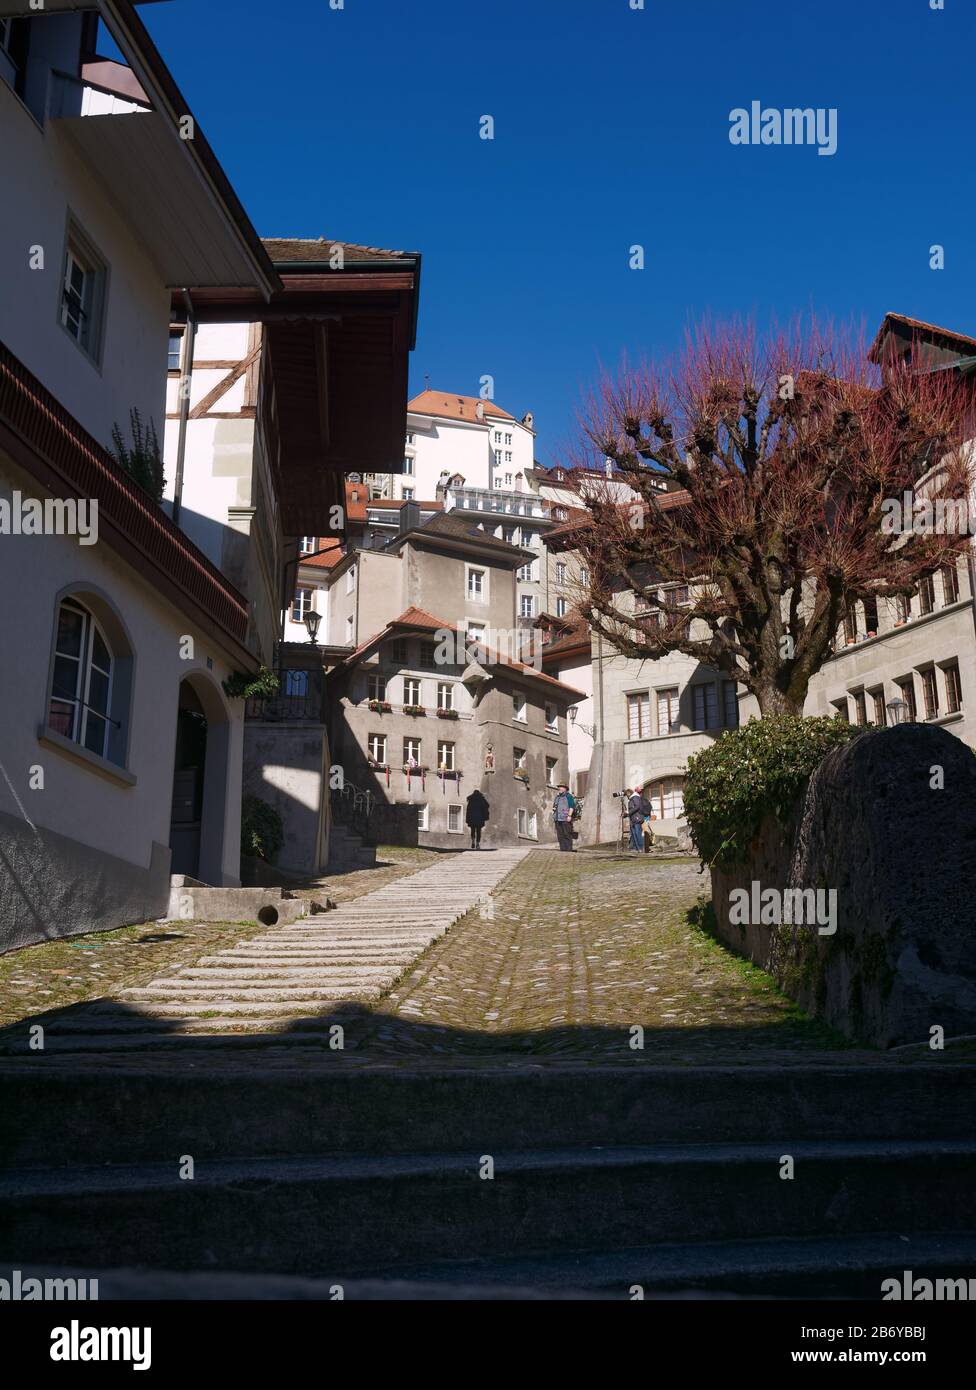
646 809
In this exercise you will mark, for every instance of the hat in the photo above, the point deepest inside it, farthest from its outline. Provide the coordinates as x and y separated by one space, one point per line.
562 786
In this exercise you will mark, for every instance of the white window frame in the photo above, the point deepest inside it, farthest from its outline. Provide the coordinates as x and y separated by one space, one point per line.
423 816
378 741
411 743
520 708
674 709
526 605
445 694
298 603
552 725
527 825
476 573
375 686
85 664
562 606
447 754
350 579
79 252
413 685
458 829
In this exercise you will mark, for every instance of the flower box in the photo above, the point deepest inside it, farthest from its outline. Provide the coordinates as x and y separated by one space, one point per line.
414 709
381 706
447 714
522 775
411 770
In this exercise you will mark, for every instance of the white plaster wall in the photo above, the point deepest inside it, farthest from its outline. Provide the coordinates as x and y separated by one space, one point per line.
77 801
43 178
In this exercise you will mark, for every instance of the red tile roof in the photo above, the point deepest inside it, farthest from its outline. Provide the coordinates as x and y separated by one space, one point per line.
920 327
445 406
309 251
418 619
333 553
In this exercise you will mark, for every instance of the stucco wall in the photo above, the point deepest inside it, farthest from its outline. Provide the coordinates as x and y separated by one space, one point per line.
437 582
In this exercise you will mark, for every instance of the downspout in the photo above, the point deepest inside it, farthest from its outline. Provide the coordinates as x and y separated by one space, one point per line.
186 376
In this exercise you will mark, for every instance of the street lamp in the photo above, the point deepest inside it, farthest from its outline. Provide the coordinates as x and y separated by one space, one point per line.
897 710
312 620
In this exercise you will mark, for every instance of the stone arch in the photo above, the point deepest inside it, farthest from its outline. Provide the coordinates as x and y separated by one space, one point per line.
198 829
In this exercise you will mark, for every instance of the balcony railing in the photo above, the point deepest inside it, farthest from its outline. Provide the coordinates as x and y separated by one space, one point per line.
301 697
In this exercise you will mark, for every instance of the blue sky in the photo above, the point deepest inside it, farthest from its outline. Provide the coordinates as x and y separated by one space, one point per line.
611 129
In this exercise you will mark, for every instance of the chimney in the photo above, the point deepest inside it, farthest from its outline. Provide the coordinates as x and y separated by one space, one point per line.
409 517
527 419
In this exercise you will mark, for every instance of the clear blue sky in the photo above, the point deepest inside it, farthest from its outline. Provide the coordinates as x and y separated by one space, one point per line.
611 128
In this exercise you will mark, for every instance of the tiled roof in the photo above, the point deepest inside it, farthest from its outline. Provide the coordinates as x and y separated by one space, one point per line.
923 329
446 406
333 553
285 250
580 515
454 527
415 619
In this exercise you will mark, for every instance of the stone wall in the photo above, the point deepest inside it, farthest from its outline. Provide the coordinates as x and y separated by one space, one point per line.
889 822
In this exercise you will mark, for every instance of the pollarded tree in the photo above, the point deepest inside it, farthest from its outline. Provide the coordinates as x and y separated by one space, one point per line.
786 452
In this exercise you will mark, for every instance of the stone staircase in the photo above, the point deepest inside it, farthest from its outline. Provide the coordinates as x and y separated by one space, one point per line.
602 1178
279 985
348 850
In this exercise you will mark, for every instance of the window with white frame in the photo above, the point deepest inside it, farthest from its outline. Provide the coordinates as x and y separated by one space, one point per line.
411 752
409 438
477 585
302 603
376 744
524 573
705 706
551 765
445 695
519 707
376 687
81 687
408 465
552 718
508 439
349 630
445 755
562 607
175 351
307 545
407 494
667 711
518 760
666 797
639 715
455 818
508 534
508 476
584 575
527 605
422 817
350 579
498 436
83 293
411 691
527 823
560 572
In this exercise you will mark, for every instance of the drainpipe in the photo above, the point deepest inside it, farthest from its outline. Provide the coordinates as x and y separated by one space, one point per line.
186 374
599 779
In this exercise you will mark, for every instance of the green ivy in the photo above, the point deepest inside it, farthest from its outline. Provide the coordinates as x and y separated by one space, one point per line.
242 685
262 833
751 773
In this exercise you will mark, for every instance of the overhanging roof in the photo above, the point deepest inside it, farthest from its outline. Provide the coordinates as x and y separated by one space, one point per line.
10 9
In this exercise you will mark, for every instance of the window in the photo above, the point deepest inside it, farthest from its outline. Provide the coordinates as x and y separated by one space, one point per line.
407 493
411 752
508 476
508 459
551 764
878 701
376 744
561 607
350 579
422 817
376 686
349 630
527 605
518 760
841 710
560 572
445 695
584 575
860 708
301 604
455 819
174 355
81 689
552 718
476 585
519 710
409 438
666 797
398 651
705 704
411 692
953 688
508 534
871 615
930 693
850 625
730 705
950 584
560 513
906 689
296 683
530 539
408 466
508 439
639 715
667 711
903 608
306 545
498 436
527 824
524 574
445 755
83 293
926 594
428 655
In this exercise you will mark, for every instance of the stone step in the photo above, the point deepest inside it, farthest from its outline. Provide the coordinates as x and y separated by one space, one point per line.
362 1213
103 1116
229 972
251 998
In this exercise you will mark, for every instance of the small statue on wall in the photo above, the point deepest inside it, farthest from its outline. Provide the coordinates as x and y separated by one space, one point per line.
489 758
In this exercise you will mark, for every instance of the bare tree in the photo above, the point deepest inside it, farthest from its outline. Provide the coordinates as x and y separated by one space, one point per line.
785 452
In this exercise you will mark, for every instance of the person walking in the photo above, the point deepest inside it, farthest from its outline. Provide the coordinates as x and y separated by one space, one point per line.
476 816
562 812
635 810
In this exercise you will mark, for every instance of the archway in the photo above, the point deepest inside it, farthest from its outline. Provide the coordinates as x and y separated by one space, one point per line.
200 770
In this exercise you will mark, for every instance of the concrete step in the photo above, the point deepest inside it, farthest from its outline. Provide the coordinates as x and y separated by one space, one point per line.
361 1213
96 1116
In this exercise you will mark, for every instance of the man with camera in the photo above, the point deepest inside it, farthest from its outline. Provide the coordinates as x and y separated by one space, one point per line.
563 809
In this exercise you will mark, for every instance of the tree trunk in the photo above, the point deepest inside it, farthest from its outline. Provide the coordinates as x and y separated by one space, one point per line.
772 700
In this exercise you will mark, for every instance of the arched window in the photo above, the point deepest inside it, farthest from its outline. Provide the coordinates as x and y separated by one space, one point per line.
81 687
666 796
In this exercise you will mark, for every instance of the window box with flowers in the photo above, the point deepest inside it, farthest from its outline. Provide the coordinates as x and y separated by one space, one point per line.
414 709
447 714
449 772
522 775
381 706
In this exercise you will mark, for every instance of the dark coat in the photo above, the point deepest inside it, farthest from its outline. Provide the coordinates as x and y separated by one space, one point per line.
478 808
